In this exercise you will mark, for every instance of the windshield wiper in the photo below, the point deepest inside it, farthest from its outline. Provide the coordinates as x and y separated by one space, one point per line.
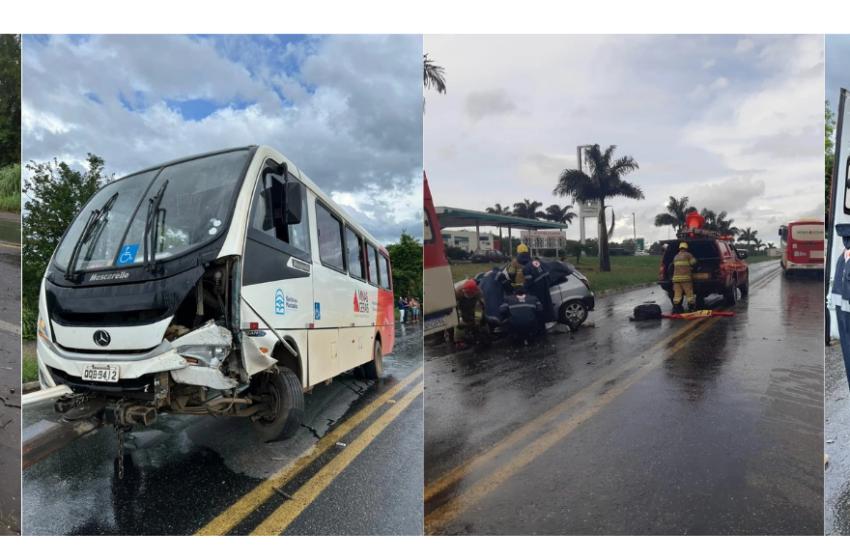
151 224
94 219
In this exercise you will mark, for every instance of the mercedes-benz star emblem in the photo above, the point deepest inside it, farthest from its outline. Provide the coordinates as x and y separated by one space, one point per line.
101 338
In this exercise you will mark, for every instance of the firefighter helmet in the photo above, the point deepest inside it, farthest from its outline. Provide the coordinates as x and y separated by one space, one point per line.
683 245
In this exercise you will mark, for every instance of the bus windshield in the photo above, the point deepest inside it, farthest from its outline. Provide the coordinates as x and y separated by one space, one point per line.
193 210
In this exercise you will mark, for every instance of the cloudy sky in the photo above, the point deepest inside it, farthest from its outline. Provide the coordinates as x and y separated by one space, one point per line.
734 123
346 109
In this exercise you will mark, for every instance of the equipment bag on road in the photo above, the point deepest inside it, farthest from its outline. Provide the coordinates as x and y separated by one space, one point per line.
647 312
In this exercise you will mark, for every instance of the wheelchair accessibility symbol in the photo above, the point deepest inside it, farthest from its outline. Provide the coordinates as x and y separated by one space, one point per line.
128 254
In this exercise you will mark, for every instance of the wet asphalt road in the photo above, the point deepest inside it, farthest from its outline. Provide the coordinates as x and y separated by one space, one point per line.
674 427
837 446
10 390
190 474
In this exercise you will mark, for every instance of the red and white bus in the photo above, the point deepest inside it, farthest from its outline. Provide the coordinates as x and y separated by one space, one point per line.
439 305
222 284
802 245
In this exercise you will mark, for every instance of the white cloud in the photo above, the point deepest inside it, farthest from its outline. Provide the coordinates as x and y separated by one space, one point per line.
744 45
346 109
742 134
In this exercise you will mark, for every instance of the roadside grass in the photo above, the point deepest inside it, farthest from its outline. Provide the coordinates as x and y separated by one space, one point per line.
10 189
29 363
625 271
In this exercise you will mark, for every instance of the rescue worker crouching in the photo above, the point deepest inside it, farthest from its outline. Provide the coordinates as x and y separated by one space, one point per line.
683 263
468 296
523 312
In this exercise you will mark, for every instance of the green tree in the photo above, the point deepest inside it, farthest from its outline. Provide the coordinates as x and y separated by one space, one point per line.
10 99
406 260
677 211
56 193
604 181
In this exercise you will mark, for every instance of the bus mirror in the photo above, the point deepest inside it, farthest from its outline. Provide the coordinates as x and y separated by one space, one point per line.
292 204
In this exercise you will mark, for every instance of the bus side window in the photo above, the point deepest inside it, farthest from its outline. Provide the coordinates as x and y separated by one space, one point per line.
354 246
373 265
385 273
330 238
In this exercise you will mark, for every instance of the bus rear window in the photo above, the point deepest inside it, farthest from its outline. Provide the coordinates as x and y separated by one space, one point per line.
807 232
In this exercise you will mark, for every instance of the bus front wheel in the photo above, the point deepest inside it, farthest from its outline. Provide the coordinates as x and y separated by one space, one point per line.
281 388
375 368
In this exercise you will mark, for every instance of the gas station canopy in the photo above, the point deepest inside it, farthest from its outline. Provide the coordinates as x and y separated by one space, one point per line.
457 217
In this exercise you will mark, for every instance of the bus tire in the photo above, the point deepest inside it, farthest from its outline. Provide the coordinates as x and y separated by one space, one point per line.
287 400
374 369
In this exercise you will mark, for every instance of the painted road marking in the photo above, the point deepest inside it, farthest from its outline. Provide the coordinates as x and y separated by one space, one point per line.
462 470
278 521
459 504
234 515
537 447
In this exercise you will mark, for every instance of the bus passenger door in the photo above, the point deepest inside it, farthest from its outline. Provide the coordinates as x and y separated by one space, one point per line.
277 270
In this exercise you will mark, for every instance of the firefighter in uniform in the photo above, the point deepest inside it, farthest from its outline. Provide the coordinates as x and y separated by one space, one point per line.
683 263
514 269
468 296
539 284
522 312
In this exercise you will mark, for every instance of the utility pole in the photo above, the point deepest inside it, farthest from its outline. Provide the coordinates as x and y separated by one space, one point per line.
634 226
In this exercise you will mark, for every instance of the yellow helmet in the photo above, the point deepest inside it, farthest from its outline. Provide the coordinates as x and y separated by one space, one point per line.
683 245
522 248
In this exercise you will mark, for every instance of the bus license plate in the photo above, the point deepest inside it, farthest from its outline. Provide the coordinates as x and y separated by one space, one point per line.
107 374
434 323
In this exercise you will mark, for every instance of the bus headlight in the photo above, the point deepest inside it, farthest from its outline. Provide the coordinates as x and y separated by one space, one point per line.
42 329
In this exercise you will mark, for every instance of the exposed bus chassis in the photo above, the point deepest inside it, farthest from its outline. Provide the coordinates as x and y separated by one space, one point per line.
209 369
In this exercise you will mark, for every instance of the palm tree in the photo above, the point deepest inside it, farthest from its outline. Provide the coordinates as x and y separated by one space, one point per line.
434 77
710 219
770 245
758 243
677 210
604 181
724 226
528 209
746 235
499 209
561 215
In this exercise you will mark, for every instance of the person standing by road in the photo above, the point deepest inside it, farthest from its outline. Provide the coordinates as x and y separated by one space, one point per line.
414 306
523 312
683 263
402 305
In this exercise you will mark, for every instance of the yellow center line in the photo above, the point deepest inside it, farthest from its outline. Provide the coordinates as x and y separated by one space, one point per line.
280 519
480 489
234 515
521 434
